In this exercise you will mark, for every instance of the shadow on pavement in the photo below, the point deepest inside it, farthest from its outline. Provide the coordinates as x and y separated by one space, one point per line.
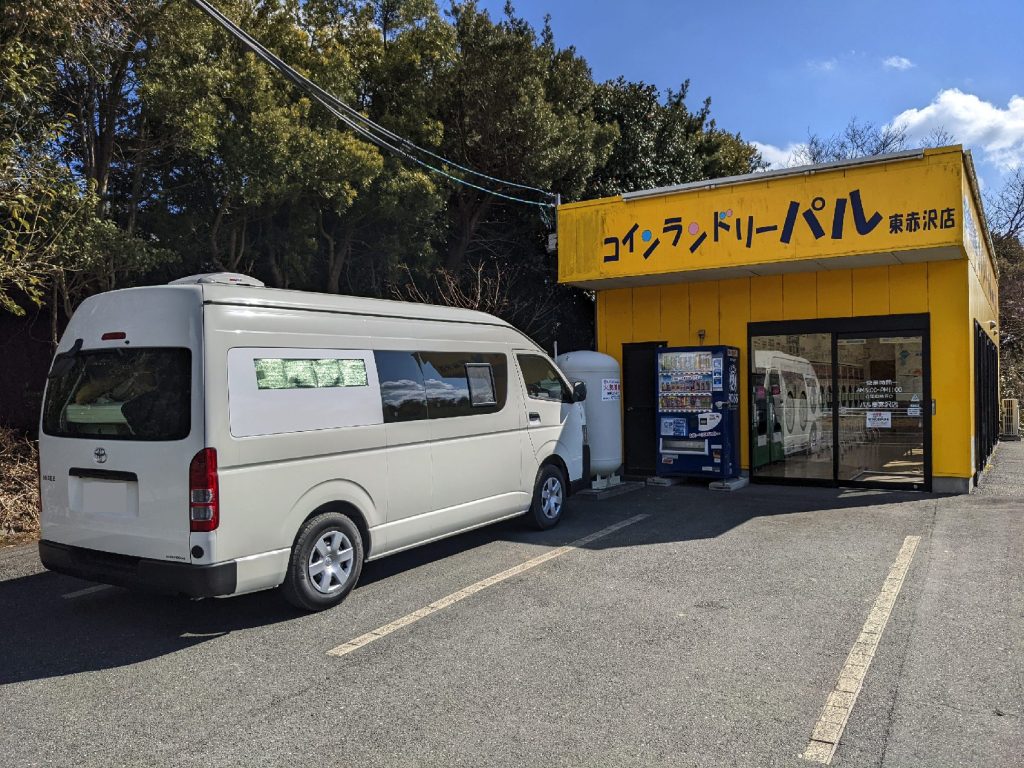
695 512
45 634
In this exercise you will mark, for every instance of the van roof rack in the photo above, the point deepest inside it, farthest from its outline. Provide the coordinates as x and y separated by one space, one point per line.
220 278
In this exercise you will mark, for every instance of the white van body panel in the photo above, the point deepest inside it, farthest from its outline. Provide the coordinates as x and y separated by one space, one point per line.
285 454
147 517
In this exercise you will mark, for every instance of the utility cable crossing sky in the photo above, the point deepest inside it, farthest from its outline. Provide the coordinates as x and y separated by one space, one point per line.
368 129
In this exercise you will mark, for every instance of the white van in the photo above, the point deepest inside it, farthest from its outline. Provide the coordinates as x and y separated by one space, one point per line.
213 437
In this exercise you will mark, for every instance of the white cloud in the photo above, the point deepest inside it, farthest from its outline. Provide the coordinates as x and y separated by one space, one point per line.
778 157
898 62
826 65
979 124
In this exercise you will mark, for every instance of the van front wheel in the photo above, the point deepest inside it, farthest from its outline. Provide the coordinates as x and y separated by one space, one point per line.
325 563
549 494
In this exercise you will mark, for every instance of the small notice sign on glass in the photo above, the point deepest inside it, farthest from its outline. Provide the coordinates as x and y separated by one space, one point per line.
878 420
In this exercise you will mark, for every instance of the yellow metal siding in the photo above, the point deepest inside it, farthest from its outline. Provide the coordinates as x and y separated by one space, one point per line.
766 298
675 314
952 369
704 313
835 293
647 313
871 291
799 296
908 289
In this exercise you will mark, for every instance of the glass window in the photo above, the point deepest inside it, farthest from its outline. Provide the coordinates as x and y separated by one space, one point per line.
543 382
122 394
402 390
277 373
447 379
481 384
791 370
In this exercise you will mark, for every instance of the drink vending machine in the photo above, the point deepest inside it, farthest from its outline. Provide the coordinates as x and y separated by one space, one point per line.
698 412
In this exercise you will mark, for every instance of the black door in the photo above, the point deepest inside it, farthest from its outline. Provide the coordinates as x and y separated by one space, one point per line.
638 398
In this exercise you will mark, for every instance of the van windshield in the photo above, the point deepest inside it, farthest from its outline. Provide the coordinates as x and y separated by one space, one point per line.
122 394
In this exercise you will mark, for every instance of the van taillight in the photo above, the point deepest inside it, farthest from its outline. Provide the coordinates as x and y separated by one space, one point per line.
203 491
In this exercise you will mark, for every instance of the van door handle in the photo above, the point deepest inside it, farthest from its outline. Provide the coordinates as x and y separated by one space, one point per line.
534 417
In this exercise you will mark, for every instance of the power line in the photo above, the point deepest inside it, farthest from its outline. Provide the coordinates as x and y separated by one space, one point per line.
359 122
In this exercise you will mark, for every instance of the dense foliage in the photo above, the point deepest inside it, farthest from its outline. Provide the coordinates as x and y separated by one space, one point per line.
138 143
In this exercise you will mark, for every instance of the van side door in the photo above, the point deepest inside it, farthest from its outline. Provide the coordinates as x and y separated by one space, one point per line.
410 477
475 448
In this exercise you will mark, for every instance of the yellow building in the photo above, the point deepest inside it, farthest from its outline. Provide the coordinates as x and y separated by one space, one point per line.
862 296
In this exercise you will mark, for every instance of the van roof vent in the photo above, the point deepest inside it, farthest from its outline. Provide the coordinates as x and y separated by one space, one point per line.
219 278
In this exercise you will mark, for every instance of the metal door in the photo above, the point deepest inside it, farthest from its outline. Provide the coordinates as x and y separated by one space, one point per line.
640 438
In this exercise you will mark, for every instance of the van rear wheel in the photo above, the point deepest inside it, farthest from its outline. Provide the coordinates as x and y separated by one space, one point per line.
549 494
325 563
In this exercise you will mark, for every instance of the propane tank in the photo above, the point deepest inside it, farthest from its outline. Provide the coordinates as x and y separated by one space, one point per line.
603 406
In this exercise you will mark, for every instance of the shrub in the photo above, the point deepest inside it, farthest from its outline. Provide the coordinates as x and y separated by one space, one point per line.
19 489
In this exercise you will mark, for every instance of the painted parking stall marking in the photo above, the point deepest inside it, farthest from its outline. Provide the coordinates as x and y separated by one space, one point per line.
825 739
87 591
472 589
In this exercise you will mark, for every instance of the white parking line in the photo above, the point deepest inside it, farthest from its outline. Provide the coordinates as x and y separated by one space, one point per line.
472 589
86 591
829 729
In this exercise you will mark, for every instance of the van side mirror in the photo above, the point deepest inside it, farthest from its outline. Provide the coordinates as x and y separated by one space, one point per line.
579 391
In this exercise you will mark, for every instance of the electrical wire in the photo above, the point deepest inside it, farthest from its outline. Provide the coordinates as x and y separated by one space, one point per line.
362 124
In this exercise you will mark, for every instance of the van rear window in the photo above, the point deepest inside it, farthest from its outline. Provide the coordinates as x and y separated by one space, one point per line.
122 394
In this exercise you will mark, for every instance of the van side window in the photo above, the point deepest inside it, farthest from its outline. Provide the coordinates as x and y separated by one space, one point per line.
481 384
543 382
402 391
287 373
447 377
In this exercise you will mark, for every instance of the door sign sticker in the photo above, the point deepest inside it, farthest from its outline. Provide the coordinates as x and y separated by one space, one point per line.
878 420
611 389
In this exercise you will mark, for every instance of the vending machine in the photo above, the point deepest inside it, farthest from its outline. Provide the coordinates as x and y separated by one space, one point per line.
698 412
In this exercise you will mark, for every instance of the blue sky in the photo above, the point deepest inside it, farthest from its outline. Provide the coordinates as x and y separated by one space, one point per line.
776 69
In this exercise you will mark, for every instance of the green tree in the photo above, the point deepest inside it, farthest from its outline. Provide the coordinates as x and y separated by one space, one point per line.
51 226
661 142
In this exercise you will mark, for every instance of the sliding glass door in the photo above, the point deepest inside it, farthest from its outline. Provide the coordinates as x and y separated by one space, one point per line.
841 402
881 424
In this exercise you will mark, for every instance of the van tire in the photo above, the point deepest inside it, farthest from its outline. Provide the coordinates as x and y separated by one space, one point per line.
311 589
549 494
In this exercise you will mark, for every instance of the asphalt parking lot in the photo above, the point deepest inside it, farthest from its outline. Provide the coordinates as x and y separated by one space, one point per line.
709 632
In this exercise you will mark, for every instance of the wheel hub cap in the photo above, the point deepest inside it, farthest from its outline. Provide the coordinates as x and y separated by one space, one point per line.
330 562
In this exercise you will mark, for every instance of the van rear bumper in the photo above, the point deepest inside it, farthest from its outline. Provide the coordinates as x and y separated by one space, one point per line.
139 572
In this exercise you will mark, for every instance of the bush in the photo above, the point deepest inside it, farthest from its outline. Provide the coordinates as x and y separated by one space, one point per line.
19 489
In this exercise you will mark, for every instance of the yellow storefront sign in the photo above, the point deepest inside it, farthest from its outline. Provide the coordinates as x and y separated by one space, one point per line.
904 210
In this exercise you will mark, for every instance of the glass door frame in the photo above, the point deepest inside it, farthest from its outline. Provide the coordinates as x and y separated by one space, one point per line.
874 326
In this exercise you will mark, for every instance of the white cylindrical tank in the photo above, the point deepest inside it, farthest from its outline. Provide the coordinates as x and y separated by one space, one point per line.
603 405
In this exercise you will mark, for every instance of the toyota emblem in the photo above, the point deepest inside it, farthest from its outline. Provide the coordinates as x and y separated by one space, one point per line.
100 455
